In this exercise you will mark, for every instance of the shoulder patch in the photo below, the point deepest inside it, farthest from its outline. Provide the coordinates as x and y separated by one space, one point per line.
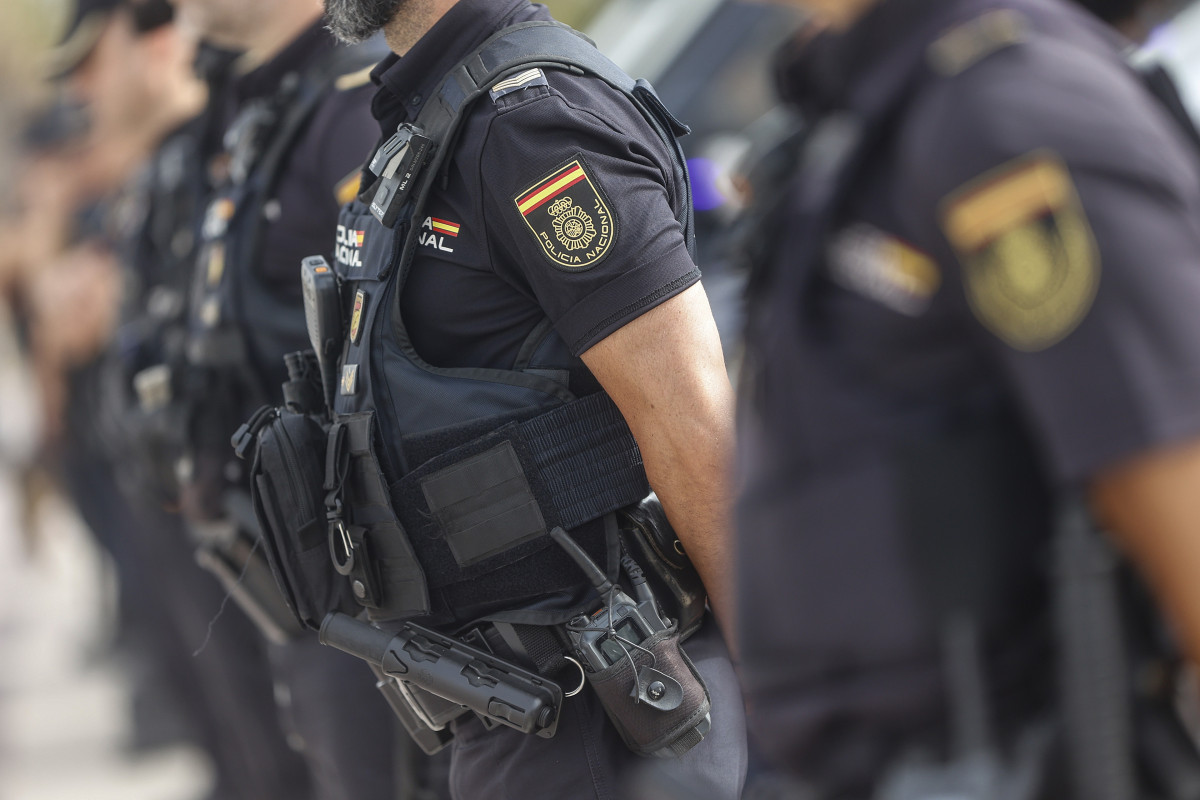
348 187
1030 262
569 216
353 80
963 46
515 83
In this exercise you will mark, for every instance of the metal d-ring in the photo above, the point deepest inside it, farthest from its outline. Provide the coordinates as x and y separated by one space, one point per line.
582 678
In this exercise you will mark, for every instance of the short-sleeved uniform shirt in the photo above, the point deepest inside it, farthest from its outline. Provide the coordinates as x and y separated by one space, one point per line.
1021 243
483 276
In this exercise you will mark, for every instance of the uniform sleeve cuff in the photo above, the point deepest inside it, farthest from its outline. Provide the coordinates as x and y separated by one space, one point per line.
581 329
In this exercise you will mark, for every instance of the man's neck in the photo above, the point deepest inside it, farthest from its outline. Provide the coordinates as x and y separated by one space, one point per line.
413 21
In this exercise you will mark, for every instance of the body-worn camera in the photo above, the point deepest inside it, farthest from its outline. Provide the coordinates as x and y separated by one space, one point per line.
397 164
631 655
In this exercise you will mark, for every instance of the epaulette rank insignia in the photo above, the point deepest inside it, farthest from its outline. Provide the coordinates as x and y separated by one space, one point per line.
1031 266
522 80
348 187
969 43
353 80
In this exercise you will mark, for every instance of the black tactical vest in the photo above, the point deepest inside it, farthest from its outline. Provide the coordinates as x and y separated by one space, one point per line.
444 482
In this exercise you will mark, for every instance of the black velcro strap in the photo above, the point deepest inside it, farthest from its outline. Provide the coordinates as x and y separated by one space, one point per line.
587 458
477 515
580 461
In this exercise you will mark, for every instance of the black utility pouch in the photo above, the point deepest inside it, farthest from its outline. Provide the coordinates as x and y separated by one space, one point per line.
286 487
655 714
649 538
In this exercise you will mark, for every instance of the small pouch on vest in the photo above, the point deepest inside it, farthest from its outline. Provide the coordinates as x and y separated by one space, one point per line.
656 715
286 487
394 581
649 538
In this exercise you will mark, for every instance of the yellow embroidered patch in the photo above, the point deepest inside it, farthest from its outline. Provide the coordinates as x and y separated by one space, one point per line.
1031 265
570 217
348 187
971 42
216 264
353 80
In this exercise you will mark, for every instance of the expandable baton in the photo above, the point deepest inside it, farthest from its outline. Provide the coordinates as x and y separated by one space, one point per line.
323 314
493 688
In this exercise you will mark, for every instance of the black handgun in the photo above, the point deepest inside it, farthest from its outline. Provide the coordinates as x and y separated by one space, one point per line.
323 314
496 690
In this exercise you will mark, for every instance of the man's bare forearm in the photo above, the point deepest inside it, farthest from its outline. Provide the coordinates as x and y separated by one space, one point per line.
1152 506
666 373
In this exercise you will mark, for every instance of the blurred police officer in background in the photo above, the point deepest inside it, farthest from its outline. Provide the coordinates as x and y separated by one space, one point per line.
296 126
975 341
134 72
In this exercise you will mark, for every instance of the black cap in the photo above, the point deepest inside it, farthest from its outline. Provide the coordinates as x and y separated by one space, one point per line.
87 21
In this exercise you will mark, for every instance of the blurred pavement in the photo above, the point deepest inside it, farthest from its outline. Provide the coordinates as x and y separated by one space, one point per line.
64 702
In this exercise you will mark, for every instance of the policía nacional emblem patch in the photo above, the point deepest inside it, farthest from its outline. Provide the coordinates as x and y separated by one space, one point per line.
570 217
1031 265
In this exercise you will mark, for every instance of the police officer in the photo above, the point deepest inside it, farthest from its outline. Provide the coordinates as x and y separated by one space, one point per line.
135 73
295 122
549 261
975 337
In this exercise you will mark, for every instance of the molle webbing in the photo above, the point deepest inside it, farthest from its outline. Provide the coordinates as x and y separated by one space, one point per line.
476 513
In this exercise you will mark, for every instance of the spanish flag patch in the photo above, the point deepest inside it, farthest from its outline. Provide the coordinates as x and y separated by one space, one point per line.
443 226
569 217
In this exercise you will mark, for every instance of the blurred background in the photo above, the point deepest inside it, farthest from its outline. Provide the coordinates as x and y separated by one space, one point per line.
79 716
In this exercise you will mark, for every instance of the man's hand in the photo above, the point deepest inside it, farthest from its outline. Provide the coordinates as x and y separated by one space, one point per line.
1151 504
666 373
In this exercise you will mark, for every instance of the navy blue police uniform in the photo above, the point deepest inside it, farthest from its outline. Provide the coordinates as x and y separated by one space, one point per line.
225 689
294 134
558 215
120 472
982 293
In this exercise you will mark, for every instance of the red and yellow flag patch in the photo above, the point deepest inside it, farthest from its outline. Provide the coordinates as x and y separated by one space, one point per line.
1031 266
569 217
443 226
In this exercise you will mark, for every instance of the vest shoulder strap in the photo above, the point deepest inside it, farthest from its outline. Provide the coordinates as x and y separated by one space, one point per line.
520 47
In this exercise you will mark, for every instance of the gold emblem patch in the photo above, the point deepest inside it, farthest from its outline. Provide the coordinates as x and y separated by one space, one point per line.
360 300
350 380
1031 266
348 188
569 217
216 264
